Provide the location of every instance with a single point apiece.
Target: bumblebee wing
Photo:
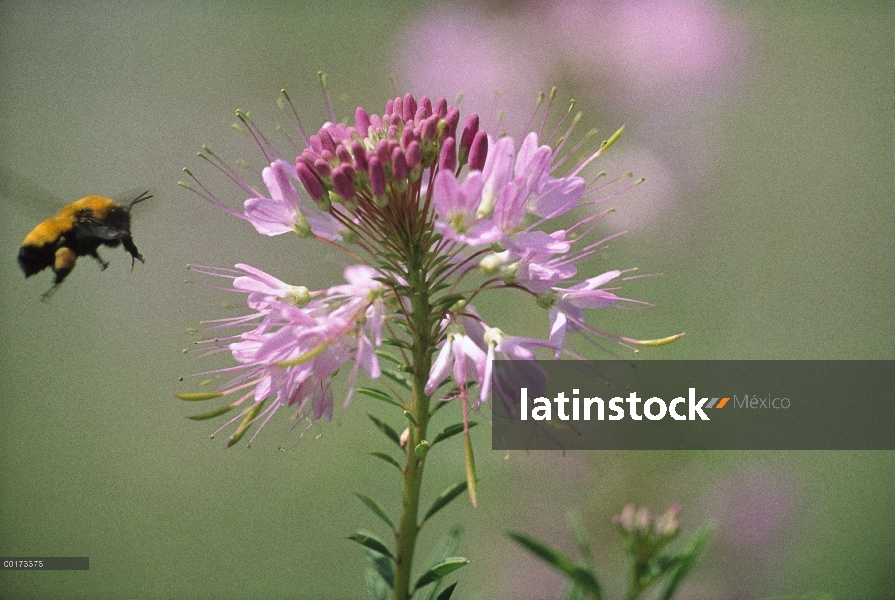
(23, 197)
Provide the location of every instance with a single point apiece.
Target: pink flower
(290, 353)
(462, 357)
(422, 203)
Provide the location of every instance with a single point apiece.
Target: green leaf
(377, 510)
(386, 355)
(378, 395)
(440, 570)
(395, 343)
(437, 259)
(447, 547)
(402, 379)
(376, 587)
(439, 272)
(387, 429)
(446, 302)
(452, 430)
(411, 418)
(686, 560)
(577, 529)
(388, 458)
(588, 582)
(446, 593)
(562, 563)
(445, 498)
(441, 286)
(383, 567)
(439, 404)
(575, 593)
(368, 540)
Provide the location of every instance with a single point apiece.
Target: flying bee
(79, 229)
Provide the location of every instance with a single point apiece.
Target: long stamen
(298, 126)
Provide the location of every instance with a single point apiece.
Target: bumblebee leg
(96, 255)
(45, 297)
(63, 264)
(128, 242)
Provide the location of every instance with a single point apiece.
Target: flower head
(425, 205)
(646, 534)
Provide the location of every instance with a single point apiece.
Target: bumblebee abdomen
(38, 250)
(33, 259)
(48, 232)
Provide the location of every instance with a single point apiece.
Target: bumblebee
(79, 229)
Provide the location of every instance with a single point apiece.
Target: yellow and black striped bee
(79, 229)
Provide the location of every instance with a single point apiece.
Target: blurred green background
(777, 243)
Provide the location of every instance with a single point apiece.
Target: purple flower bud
(360, 156)
(426, 107)
(338, 131)
(308, 157)
(342, 182)
(409, 107)
(322, 168)
(429, 128)
(361, 121)
(392, 132)
(377, 176)
(448, 159)
(310, 182)
(315, 143)
(452, 119)
(440, 107)
(327, 140)
(389, 105)
(349, 170)
(414, 156)
(469, 131)
(343, 155)
(408, 135)
(397, 109)
(328, 157)
(478, 152)
(399, 165)
(375, 123)
(382, 151)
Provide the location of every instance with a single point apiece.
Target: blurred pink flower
(663, 66)
(646, 49)
(455, 49)
(752, 508)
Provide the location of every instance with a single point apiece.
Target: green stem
(408, 527)
(637, 572)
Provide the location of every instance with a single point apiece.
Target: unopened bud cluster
(379, 157)
(646, 533)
